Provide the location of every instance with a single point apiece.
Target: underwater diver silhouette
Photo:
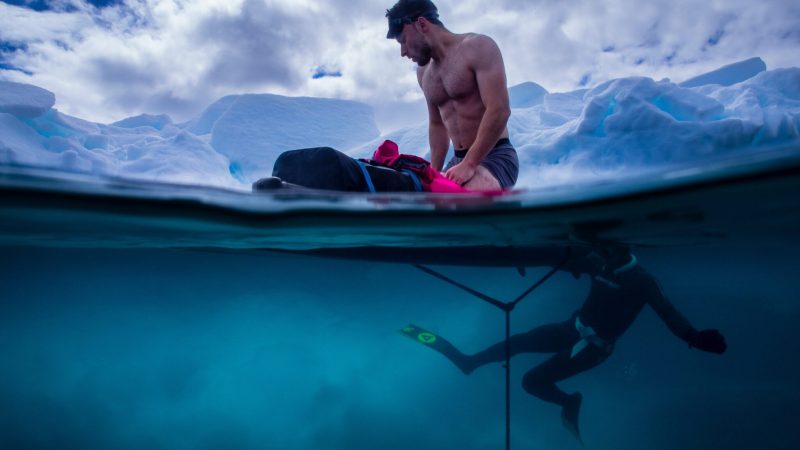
(620, 288)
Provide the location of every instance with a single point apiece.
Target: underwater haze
(163, 349)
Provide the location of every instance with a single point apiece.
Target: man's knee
(483, 180)
(534, 382)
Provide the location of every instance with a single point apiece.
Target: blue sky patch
(36, 5)
(7, 48)
(714, 40)
(11, 47)
(4, 65)
(322, 72)
(59, 6)
(104, 3)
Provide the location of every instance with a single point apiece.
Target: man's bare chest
(449, 81)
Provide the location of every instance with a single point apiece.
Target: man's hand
(461, 173)
(709, 341)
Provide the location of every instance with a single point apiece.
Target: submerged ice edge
(706, 211)
(42, 180)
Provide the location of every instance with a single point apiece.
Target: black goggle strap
(399, 22)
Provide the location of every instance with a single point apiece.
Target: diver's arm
(677, 323)
(707, 340)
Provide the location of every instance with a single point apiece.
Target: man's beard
(425, 52)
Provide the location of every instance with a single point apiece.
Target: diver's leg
(548, 338)
(544, 339)
(439, 344)
(541, 381)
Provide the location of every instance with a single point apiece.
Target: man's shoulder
(476, 44)
(643, 280)
(477, 40)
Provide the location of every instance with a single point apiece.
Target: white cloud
(20, 24)
(556, 43)
(176, 56)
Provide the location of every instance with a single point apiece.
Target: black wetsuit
(612, 305)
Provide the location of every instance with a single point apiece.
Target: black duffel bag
(329, 169)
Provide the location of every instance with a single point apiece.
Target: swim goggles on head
(396, 25)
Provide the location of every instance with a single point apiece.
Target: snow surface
(622, 127)
(24, 100)
(730, 74)
(526, 95)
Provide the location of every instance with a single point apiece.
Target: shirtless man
(464, 82)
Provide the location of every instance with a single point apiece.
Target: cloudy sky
(109, 59)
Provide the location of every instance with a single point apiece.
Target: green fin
(438, 343)
(419, 334)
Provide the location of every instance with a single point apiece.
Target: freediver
(620, 288)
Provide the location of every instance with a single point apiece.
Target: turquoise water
(146, 321)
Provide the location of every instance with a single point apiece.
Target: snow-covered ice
(24, 100)
(729, 75)
(620, 127)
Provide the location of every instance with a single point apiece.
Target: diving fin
(439, 344)
(569, 415)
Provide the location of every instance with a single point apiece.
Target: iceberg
(24, 100)
(729, 75)
(526, 94)
(618, 128)
(145, 120)
(252, 130)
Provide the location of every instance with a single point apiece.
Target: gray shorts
(501, 162)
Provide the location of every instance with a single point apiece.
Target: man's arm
(706, 340)
(438, 139)
(490, 74)
(677, 323)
